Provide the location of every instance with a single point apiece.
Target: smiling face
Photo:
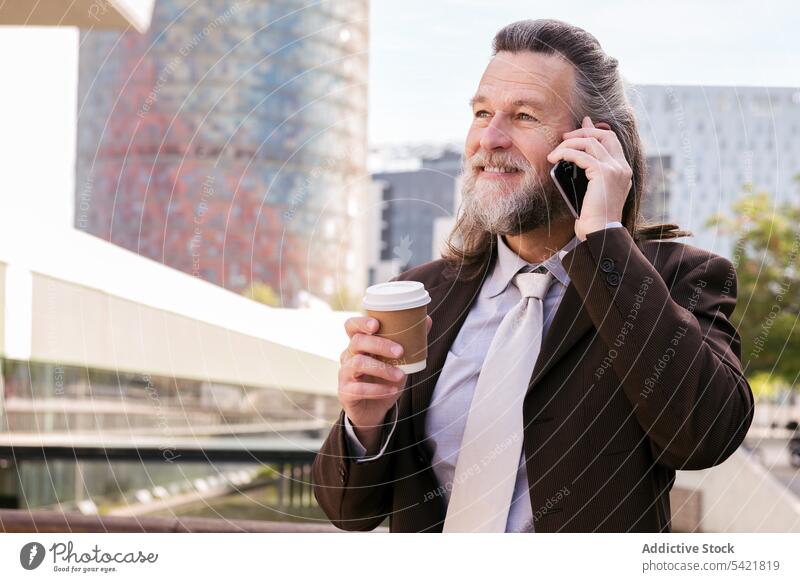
(520, 111)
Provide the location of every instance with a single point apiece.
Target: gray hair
(599, 92)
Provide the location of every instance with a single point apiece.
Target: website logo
(31, 555)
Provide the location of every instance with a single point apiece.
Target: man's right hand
(368, 387)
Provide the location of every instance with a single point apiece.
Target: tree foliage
(262, 293)
(767, 261)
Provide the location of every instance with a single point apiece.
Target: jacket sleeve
(671, 343)
(354, 493)
(358, 451)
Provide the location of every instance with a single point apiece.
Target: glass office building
(229, 141)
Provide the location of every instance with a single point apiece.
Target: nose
(495, 135)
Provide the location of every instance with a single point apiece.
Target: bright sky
(427, 56)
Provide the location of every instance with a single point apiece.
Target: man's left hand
(598, 151)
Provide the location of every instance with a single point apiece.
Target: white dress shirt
(446, 416)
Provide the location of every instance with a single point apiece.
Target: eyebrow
(533, 103)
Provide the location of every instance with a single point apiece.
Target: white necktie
(488, 460)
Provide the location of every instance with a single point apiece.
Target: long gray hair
(599, 92)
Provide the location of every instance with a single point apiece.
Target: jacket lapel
(450, 303)
(570, 323)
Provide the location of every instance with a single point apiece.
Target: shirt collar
(509, 263)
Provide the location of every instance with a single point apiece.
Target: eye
(526, 117)
(482, 114)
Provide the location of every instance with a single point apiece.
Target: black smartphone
(571, 181)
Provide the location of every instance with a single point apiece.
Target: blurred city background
(197, 193)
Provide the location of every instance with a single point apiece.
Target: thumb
(428, 322)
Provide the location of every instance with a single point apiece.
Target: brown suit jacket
(639, 375)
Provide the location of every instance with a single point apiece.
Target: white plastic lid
(396, 295)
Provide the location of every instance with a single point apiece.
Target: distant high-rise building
(229, 141)
(658, 195)
(704, 143)
(410, 202)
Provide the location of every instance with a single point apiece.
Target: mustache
(481, 159)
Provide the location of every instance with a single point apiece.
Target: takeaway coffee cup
(401, 308)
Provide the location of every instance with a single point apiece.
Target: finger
(363, 324)
(606, 137)
(370, 391)
(428, 322)
(363, 364)
(347, 374)
(372, 344)
(582, 159)
(589, 145)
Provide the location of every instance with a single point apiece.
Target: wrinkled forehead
(538, 80)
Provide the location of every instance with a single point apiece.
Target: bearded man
(573, 364)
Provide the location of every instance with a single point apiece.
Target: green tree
(262, 293)
(767, 262)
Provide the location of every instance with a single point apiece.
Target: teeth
(499, 170)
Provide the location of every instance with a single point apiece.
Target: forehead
(545, 80)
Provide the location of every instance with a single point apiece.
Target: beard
(505, 209)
